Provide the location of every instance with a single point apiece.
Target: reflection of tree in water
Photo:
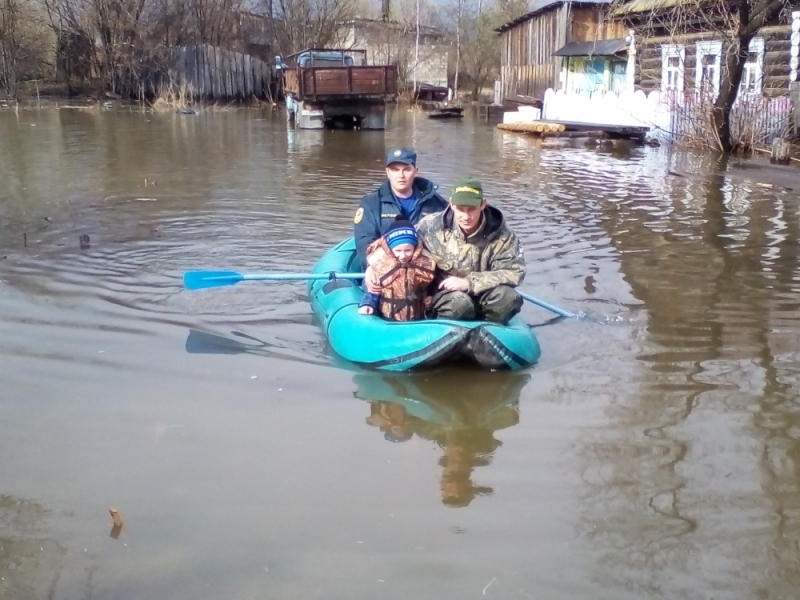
(460, 413)
(31, 565)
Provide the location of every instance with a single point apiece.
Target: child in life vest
(404, 270)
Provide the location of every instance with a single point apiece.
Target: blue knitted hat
(401, 232)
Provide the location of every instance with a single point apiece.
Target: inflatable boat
(394, 346)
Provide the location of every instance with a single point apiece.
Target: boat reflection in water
(460, 411)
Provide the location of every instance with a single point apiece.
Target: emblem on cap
(398, 152)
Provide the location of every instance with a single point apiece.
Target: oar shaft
(198, 280)
(299, 276)
(543, 304)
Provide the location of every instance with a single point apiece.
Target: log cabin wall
(777, 56)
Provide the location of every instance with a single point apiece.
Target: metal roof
(594, 48)
(542, 5)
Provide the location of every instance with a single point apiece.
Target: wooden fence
(209, 72)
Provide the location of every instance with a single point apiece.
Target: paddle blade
(198, 280)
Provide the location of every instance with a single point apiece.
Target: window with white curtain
(709, 58)
(753, 75)
(672, 56)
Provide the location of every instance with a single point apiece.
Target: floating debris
(117, 520)
(115, 517)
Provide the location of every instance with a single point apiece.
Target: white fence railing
(668, 115)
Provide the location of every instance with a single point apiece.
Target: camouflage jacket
(489, 258)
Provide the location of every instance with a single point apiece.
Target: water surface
(653, 452)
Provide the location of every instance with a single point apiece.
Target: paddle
(559, 311)
(198, 280)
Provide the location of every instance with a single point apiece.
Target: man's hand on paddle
(455, 284)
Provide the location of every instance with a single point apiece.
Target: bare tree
(9, 45)
(477, 54)
(303, 24)
(25, 44)
(214, 20)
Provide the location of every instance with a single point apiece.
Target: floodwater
(654, 452)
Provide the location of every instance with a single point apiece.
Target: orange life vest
(402, 284)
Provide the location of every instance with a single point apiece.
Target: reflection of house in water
(706, 445)
(460, 416)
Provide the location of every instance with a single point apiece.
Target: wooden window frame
(672, 51)
(708, 48)
(757, 47)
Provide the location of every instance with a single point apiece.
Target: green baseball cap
(467, 191)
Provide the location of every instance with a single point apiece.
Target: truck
(335, 88)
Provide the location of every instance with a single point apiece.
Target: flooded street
(653, 452)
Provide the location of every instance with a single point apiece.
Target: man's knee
(454, 305)
(501, 303)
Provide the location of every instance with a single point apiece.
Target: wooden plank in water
(546, 130)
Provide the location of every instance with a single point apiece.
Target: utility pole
(458, 51)
(416, 56)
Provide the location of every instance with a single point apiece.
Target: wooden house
(681, 49)
(539, 48)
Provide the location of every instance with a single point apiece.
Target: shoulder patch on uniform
(359, 216)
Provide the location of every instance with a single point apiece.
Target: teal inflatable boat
(392, 346)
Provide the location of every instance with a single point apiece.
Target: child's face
(403, 252)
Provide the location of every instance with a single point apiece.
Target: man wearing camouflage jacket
(480, 258)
